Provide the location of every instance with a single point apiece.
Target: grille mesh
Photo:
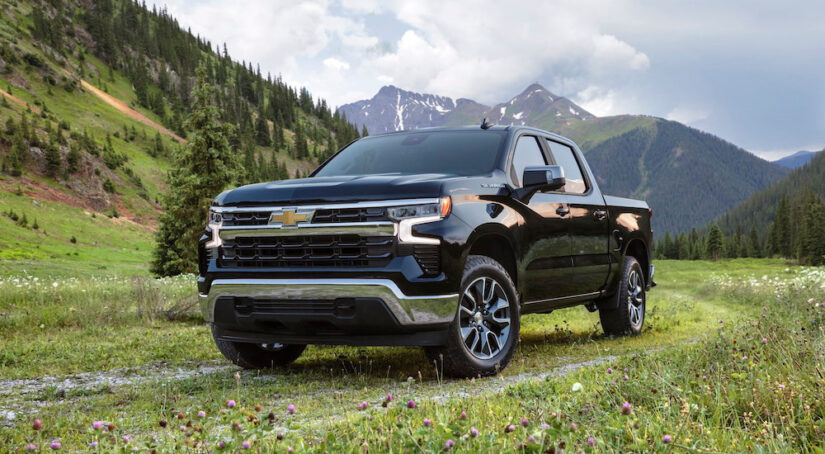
(307, 251)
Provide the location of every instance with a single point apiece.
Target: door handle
(600, 215)
(563, 211)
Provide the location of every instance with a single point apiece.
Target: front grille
(337, 215)
(246, 218)
(302, 251)
(341, 307)
(428, 258)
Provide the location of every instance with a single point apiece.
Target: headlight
(410, 215)
(440, 209)
(214, 220)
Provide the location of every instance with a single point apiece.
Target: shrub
(73, 240)
(108, 186)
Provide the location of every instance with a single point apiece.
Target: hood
(336, 189)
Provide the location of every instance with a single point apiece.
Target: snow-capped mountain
(394, 109)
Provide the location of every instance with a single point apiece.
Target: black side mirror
(543, 178)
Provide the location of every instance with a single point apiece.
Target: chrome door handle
(600, 215)
(562, 211)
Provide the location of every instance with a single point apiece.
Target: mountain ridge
(796, 160)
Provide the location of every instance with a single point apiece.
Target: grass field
(75, 350)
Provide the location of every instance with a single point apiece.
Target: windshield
(450, 152)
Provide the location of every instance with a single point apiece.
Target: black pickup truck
(439, 238)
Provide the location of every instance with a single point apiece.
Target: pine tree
(262, 135)
(754, 246)
(72, 158)
(782, 226)
(715, 243)
(812, 241)
(364, 132)
(202, 169)
(52, 160)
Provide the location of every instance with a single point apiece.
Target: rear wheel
(258, 356)
(482, 338)
(625, 315)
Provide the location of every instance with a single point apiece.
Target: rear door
(546, 249)
(588, 224)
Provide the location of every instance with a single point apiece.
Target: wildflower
(98, 425)
(574, 427)
(764, 340)
(55, 445)
(524, 422)
(389, 397)
(427, 422)
(230, 403)
(591, 441)
(781, 386)
(627, 408)
(221, 444)
(410, 379)
(576, 387)
(362, 406)
(545, 426)
(509, 428)
(609, 370)
(182, 416)
(449, 444)
(473, 432)
(246, 445)
(626, 378)
(31, 447)
(744, 358)
(704, 377)
(667, 439)
(126, 438)
(93, 444)
(182, 428)
(201, 414)
(37, 425)
(531, 439)
(290, 409)
(411, 404)
(463, 415)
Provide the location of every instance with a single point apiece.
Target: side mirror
(543, 178)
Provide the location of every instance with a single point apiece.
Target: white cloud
(688, 115)
(336, 64)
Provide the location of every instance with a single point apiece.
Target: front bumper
(321, 309)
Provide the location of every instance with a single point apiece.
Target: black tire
(624, 313)
(255, 356)
(456, 359)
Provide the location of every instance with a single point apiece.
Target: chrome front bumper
(408, 310)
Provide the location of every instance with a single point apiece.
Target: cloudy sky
(752, 72)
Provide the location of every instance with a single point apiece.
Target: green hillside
(93, 102)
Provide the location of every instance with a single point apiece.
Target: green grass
(104, 246)
(48, 330)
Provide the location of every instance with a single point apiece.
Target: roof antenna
(486, 124)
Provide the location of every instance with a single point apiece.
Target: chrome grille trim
(355, 228)
(327, 206)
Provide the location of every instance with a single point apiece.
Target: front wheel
(626, 314)
(258, 356)
(482, 338)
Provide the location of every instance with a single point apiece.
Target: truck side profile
(440, 238)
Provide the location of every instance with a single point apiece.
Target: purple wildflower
(126, 438)
(627, 408)
(764, 340)
(230, 403)
(509, 428)
(427, 422)
(609, 370)
(363, 406)
(667, 439)
(411, 404)
(449, 444)
(246, 445)
(201, 414)
(55, 445)
(290, 409)
(473, 432)
(545, 426)
(389, 397)
(31, 447)
(524, 422)
(463, 415)
(93, 444)
(591, 441)
(98, 425)
(37, 424)
(221, 444)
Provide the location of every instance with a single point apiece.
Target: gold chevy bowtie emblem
(288, 218)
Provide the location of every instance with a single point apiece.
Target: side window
(528, 153)
(565, 157)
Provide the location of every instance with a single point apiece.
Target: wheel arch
(637, 249)
(497, 245)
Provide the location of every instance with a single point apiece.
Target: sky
(751, 72)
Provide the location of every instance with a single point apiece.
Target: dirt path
(124, 108)
(19, 101)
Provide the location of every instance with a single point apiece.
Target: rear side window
(565, 157)
(528, 153)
